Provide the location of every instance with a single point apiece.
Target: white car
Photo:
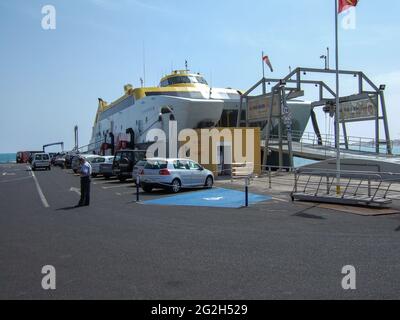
(96, 161)
(41, 160)
(174, 174)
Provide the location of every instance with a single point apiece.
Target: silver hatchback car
(174, 174)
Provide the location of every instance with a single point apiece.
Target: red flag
(268, 62)
(346, 4)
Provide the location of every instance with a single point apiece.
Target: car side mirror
(201, 169)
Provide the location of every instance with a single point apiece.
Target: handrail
(351, 188)
(353, 143)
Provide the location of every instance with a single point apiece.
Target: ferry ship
(181, 96)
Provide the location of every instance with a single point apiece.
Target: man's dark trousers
(85, 191)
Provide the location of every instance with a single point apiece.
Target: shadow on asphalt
(308, 216)
(68, 208)
(303, 214)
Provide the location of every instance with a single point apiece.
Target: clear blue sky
(50, 80)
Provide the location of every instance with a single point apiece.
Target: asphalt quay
(119, 249)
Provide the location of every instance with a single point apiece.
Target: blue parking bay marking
(216, 197)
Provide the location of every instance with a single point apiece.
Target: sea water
(7, 157)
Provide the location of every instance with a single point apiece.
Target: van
(41, 160)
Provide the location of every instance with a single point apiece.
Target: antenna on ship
(141, 82)
(186, 65)
(144, 66)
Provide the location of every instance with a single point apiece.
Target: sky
(51, 79)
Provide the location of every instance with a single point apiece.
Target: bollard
(137, 188)
(247, 193)
(270, 177)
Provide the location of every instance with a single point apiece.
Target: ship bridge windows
(182, 80)
(180, 94)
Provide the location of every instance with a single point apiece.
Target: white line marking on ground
(72, 189)
(123, 193)
(16, 179)
(39, 190)
(119, 186)
(281, 200)
(8, 174)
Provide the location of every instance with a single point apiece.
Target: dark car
(106, 169)
(124, 161)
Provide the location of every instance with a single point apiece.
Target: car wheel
(176, 186)
(122, 179)
(49, 168)
(107, 177)
(94, 175)
(33, 168)
(147, 188)
(75, 171)
(209, 182)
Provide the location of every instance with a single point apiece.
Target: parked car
(124, 161)
(41, 160)
(68, 160)
(31, 155)
(174, 174)
(97, 161)
(59, 161)
(75, 165)
(138, 169)
(106, 170)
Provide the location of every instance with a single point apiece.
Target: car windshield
(156, 164)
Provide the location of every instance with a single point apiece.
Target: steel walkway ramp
(346, 200)
(356, 188)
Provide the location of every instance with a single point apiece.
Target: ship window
(201, 80)
(182, 79)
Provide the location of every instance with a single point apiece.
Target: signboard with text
(258, 107)
(362, 109)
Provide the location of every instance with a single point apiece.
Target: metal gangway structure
(362, 188)
(309, 145)
(317, 146)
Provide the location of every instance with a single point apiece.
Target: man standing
(86, 171)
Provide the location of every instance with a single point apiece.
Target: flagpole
(337, 117)
(263, 73)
